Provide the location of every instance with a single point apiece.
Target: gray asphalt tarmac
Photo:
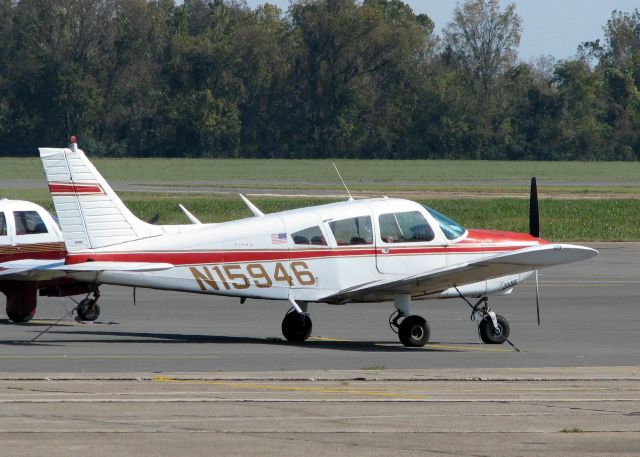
(590, 317)
(192, 375)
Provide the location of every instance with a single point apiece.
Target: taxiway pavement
(590, 317)
(182, 374)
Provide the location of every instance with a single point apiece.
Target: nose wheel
(491, 333)
(493, 328)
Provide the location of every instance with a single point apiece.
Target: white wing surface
(434, 281)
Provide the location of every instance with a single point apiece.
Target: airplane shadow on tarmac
(102, 336)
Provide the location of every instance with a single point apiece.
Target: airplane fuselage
(310, 253)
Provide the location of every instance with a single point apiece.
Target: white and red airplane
(370, 250)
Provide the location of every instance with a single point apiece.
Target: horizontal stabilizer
(114, 267)
(434, 281)
(28, 268)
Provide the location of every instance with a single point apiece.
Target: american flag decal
(278, 238)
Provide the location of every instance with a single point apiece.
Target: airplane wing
(435, 281)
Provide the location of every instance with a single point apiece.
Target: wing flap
(431, 282)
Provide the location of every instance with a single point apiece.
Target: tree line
(325, 78)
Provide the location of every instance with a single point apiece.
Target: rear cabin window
(3, 225)
(28, 223)
(356, 230)
(311, 235)
(407, 227)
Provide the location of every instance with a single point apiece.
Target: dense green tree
(348, 78)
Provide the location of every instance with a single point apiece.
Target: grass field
(561, 220)
(371, 173)
(567, 210)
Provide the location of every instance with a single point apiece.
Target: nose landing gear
(492, 328)
(494, 332)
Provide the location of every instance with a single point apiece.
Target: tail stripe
(65, 188)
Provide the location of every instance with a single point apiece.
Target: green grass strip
(561, 220)
(368, 172)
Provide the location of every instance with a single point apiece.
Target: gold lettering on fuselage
(241, 276)
(205, 277)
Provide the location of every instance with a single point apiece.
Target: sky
(549, 27)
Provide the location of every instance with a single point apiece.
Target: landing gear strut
(413, 331)
(88, 309)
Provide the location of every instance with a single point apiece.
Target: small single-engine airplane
(370, 250)
(31, 248)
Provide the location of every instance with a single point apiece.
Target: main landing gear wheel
(296, 327)
(414, 331)
(494, 335)
(88, 310)
(22, 300)
(20, 317)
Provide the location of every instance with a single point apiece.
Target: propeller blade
(537, 299)
(534, 213)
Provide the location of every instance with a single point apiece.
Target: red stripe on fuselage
(45, 251)
(74, 188)
(477, 242)
(212, 257)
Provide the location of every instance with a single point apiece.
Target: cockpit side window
(3, 225)
(29, 223)
(405, 227)
(352, 231)
(312, 235)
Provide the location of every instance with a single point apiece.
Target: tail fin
(90, 213)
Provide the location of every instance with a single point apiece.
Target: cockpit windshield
(450, 228)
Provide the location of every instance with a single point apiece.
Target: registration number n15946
(242, 276)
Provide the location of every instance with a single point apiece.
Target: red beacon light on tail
(73, 140)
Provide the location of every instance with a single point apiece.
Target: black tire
(296, 327)
(489, 335)
(414, 331)
(20, 318)
(88, 310)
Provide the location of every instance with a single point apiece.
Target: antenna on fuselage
(253, 208)
(345, 186)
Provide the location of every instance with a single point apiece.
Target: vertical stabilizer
(90, 213)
